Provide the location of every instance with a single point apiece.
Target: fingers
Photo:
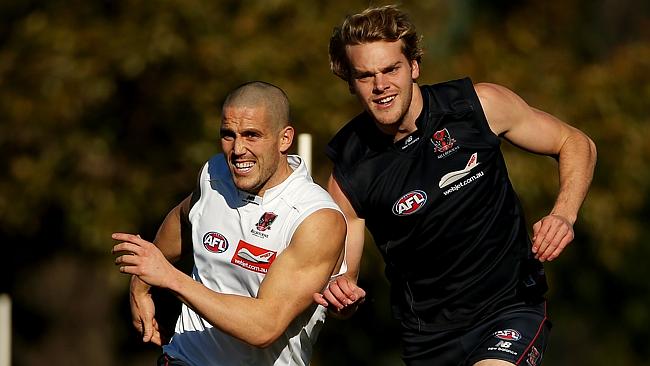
(565, 241)
(360, 293)
(341, 292)
(136, 239)
(320, 300)
(340, 288)
(128, 263)
(126, 247)
(156, 338)
(332, 299)
(131, 248)
(550, 236)
(148, 329)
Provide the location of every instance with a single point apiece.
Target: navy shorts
(166, 360)
(517, 335)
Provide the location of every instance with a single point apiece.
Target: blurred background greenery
(109, 108)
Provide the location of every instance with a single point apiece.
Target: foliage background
(109, 108)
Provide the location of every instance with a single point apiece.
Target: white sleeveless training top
(236, 237)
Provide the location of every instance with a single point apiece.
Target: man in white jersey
(265, 237)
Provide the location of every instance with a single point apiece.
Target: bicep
(512, 118)
(305, 266)
(169, 238)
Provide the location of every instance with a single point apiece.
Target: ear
(415, 70)
(286, 138)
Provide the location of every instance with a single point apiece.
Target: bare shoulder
(324, 219)
(502, 106)
(497, 96)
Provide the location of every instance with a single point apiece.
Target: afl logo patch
(508, 335)
(215, 242)
(410, 203)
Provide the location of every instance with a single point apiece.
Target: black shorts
(517, 335)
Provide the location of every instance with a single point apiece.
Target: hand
(341, 296)
(551, 235)
(143, 311)
(143, 259)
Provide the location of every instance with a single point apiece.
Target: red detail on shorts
(539, 330)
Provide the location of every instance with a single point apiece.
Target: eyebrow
(229, 131)
(358, 73)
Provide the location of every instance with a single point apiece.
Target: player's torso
(237, 236)
(428, 195)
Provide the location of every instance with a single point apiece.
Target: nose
(380, 83)
(239, 147)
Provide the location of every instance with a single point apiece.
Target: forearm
(137, 286)
(254, 321)
(576, 161)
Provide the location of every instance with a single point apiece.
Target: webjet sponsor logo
(253, 258)
(215, 242)
(457, 175)
(410, 203)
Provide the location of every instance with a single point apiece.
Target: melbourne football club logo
(410, 203)
(442, 141)
(215, 242)
(533, 357)
(265, 221)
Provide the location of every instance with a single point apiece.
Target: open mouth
(243, 167)
(386, 100)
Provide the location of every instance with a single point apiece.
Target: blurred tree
(109, 108)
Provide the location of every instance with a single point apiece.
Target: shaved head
(259, 94)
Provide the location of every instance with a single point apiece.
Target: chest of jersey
(237, 240)
(451, 167)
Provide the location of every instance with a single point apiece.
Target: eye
(364, 77)
(392, 70)
(251, 135)
(227, 135)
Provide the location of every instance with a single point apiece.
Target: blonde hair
(385, 23)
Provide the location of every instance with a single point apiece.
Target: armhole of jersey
(468, 85)
(196, 194)
(310, 210)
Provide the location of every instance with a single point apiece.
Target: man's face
(383, 80)
(252, 146)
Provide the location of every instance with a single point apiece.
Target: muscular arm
(356, 230)
(343, 291)
(169, 239)
(539, 132)
(301, 269)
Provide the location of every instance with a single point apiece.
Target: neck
(406, 125)
(283, 172)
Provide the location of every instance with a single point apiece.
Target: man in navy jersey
(421, 168)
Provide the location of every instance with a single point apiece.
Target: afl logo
(215, 242)
(508, 335)
(410, 203)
